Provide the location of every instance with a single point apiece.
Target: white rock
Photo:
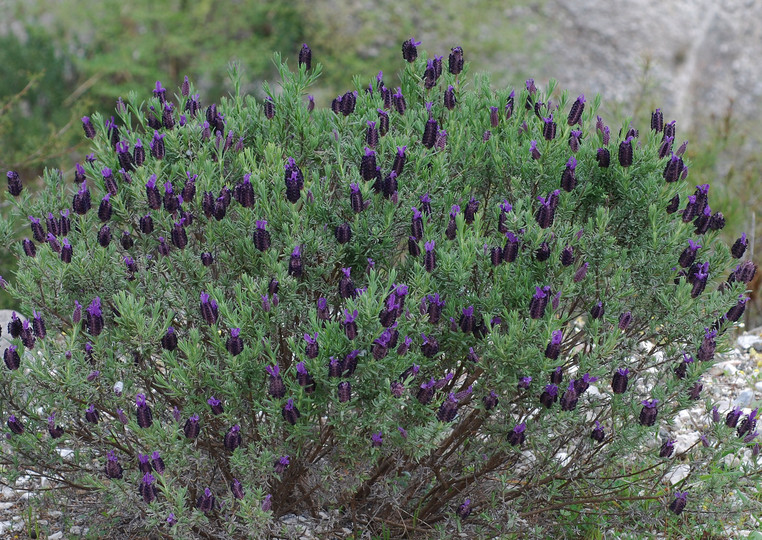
(55, 513)
(758, 386)
(76, 530)
(66, 453)
(562, 458)
(725, 368)
(56, 536)
(731, 460)
(685, 441)
(6, 505)
(744, 399)
(677, 473)
(683, 418)
(5, 525)
(747, 341)
(23, 481)
(7, 492)
(723, 406)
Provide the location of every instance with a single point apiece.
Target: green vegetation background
(63, 59)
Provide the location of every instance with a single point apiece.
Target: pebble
(65, 453)
(56, 536)
(677, 473)
(747, 341)
(758, 386)
(727, 368)
(5, 525)
(686, 441)
(744, 399)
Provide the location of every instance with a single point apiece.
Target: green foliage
(419, 435)
(34, 94)
(128, 46)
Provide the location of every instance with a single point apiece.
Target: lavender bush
(428, 306)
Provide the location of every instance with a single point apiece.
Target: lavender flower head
(534, 152)
(282, 464)
(376, 439)
(517, 436)
(678, 504)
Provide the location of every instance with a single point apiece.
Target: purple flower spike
(539, 302)
(234, 343)
(620, 381)
(312, 347)
(206, 501)
(597, 311)
(678, 504)
(430, 260)
(157, 462)
(517, 436)
(731, 420)
(625, 152)
(582, 384)
(649, 412)
(191, 429)
(575, 113)
(568, 176)
(598, 434)
(209, 310)
(144, 414)
(376, 440)
(410, 50)
(232, 438)
(261, 236)
(533, 151)
(570, 397)
(455, 61)
(748, 425)
(215, 404)
(290, 412)
(553, 348)
(277, 388)
(549, 128)
(708, 346)
(739, 246)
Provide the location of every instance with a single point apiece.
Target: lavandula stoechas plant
(379, 290)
